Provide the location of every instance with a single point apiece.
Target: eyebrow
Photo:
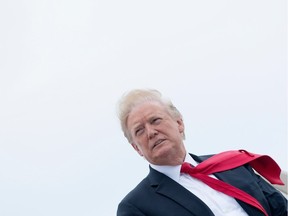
(136, 126)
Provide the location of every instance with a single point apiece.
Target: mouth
(158, 142)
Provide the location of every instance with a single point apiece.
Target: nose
(152, 132)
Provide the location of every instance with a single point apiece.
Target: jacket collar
(167, 187)
(236, 181)
(170, 188)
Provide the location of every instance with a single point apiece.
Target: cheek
(143, 146)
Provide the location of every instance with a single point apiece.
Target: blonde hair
(138, 96)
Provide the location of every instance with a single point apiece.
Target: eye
(156, 120)
(139, 131)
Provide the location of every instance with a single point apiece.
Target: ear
(180, 125)
(137, 149)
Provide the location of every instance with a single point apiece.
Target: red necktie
(263, 164)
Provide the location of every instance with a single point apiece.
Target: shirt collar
(173, 172)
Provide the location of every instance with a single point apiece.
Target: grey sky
(64, 65)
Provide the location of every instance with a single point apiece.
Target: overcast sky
(64, 65)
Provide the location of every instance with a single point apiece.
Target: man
(155, 129)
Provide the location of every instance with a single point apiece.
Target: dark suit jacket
(158, 195)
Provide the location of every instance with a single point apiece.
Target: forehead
(145, 110)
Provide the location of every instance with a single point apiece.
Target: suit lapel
(238, 180)
(169, 188)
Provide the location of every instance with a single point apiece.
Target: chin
(162, 158)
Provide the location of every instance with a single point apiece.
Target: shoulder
(200, 158)
(135, 192)
(130, 202)
(142, 198)
(146, 187)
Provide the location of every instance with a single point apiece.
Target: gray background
(64, 65)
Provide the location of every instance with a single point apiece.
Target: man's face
(156, 135)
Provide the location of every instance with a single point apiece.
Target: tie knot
(187, 168)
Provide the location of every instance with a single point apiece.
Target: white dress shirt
(219, 203)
